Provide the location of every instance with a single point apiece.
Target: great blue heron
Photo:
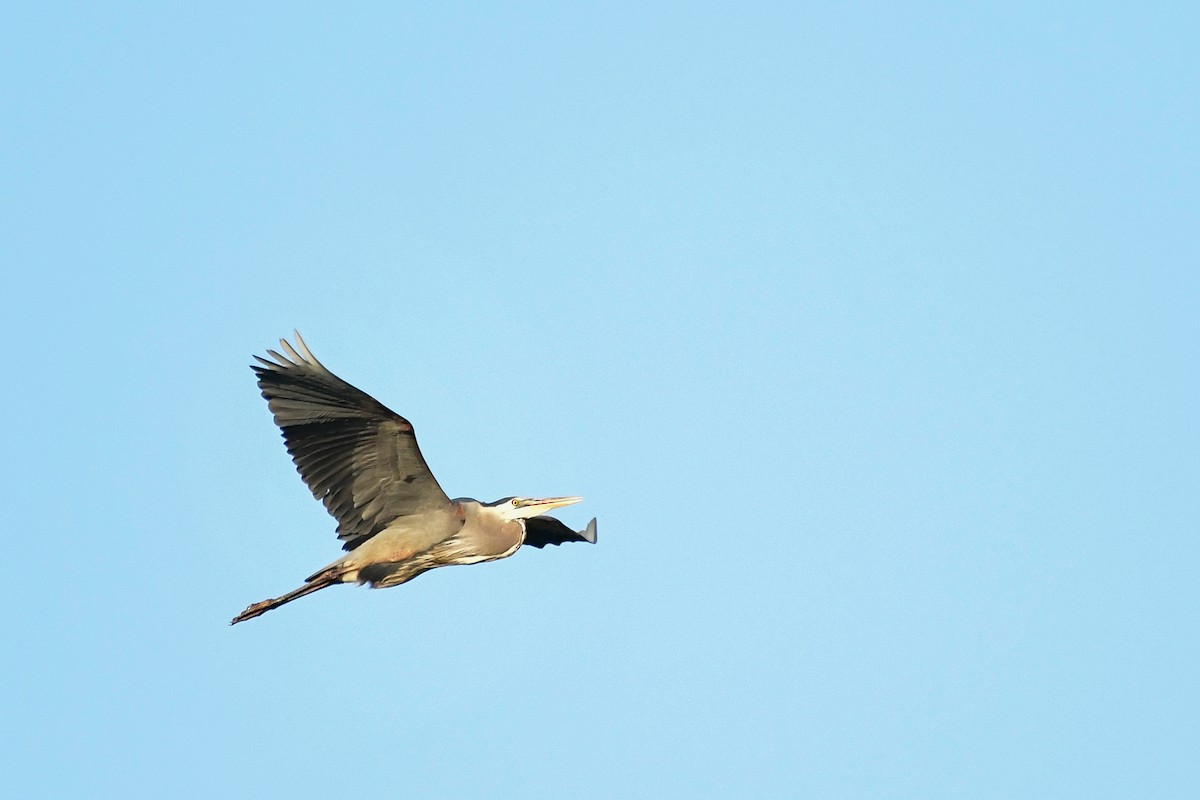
(362, 461)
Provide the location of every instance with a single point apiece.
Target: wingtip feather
(308, 356)
(291, 351)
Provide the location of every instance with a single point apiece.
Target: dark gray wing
(541, 531)
(358, 457)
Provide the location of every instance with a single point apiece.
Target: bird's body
(362, 461)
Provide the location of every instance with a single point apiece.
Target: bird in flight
(361, 460)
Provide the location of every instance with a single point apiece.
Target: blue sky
(868, 333)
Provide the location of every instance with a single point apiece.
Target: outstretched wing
(358, 457)
(541, 531)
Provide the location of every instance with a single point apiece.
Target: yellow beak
(549, 503)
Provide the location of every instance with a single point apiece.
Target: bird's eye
(516, 502)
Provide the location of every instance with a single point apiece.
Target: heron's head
(524, 507)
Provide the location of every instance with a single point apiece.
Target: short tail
(317, 582)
